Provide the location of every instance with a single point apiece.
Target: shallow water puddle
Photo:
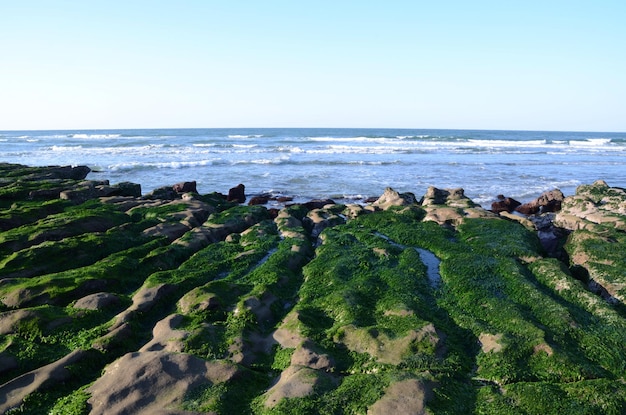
(428, 258)
(432, 266)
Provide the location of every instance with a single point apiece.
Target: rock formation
(182, 303)
(549, 201)
(185, 187)
(237, 194)
(504, 204)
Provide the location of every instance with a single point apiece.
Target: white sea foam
(345, 149)
(404, 137)
(507, 143)
(381, 140)
(590, 142)
(348, 162)
(261, 161)
(289, 149)
(182, 164)
(53, 136)
(557, 153)
(66, 148)
(164, 165)
(94, 136)
(269, 161)
(128, 151)
(368, 163)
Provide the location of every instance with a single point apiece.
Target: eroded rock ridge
(180, 303)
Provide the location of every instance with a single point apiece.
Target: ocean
(343, 164)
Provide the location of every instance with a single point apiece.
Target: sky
(531, 65)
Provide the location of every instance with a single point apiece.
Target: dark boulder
(185, 187)
(66, 172)
(45, 194)
(80, 194)
(259, 200)
(79, 172)
(318, 203)
(163, 193)
(504, 204)
(128, 189)
(549, 201)
(237, 194)
(530, 208)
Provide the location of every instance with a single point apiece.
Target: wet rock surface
(174, 302)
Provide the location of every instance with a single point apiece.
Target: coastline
(221, 305)
(342, 164)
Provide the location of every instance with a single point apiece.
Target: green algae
(50, 334)
(584, 397)
(161, 212)
(237, 215)
(353, 396)
(499, 297)
(224, 265)
(89, 217)
(25, 212)
(499, 238)
(122, 271)
(21, 189)
(373, 291)
(247, 276)
(506, 331)
(52, 256)
(604, 253)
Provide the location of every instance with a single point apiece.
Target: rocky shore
(114, 302)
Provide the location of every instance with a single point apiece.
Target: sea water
(343, 164)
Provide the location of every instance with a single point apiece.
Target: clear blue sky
(530, 65)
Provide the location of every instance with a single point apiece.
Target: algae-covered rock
(450, 197)
(549, 201)
(11, 320)
(404, 397)
(596, 204)
(386, 349)
(450, 207)
(14, 391)
(97, 301)
(113, 302)
(295, 382)
(393, 198)
(165, 336)
(153, 382)
(319, 219)
(596, 217)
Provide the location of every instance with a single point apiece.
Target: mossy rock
(349, 325)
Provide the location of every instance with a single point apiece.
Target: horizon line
(315, 128)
